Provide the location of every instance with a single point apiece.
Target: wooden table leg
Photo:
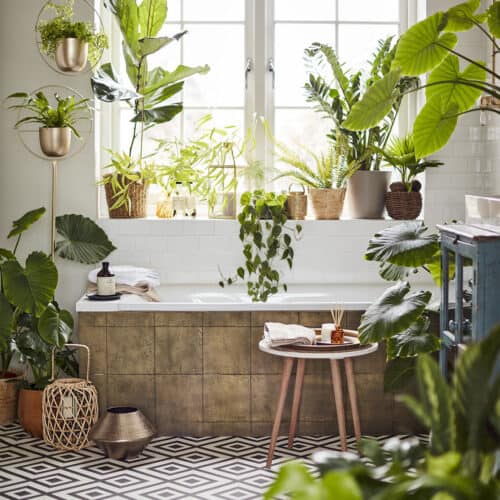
(339, 402)
(297, 394)
(351, 387)
(285, 379)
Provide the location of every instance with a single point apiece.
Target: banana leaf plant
(461, 461)
(452, 89)
(336, 99)
(148, 91)
(31, 321)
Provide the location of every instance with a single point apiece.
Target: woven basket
(296, 204)
(8, 398)
(327, 203)
(69, 409)
(402, 205)
(137, 192)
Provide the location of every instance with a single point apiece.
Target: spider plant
(65, 113)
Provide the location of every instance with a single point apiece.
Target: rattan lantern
(69, 409)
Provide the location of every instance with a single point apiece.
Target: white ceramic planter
(366, 194)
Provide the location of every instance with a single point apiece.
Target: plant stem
(17, 244)
(136, 104)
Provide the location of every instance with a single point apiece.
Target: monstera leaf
(20, 225)
(83, 240)
(6, 315)
(30, 288)
(108, 87)
(394, 311)
(423, 46)
(403, 245)
(55, 327)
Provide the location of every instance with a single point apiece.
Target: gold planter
(71, 55)
(55, 142)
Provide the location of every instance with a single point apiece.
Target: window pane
(221, 118)
(299, 10)
(369, 10)
(174, 11)
(291, 74)
(214, 10)
(357, 42)
(220, 46)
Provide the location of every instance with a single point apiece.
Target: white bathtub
(235, 298)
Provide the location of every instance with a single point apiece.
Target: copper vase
(71, 55)
(123, 432)
(30, 411)
(55, 141)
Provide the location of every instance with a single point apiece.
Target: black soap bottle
(106, 282)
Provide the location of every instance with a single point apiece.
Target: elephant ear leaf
(55, 327)
(461, 17)
(394, 311)
(413, 341)
(6, 316)
(494, 19)
(30, 288)
(83, 240)
(23, 223)
(108, 87)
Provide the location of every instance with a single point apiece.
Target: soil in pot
(138, 193)
(8, 397)
(30, 411)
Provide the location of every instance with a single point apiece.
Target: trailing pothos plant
(31, 321)
(266, 238)
(461, 462)
(429, 47)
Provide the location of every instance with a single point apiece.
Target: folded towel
(144, 290)
(130, 275)
(277, 334)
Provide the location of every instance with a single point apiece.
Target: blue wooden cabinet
(482, 249)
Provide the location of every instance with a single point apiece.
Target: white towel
(277, 334)
(131, 276)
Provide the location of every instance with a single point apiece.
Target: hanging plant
(266, 240)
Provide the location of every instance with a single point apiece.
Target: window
(255, 50)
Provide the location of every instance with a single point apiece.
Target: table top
(285, 353)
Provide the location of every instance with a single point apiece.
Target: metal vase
(123, 432)
(366, 194)
(55, 142)
(71, 55)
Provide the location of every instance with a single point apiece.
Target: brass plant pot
(71, 55)
(55, 141)
(122, 433)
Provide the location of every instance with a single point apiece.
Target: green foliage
(65, 112)
(62, 26)
(265, 238)
(338, 102)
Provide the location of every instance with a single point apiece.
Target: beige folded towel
(143, 289)
(277, 334)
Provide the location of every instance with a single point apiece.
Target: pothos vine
(266, 239)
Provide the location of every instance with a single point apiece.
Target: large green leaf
(6, 255)
(6, 316)
(152, 15)
(127, 15)
(150, 45)
(162, 94)
(394, 311)
(405, 245)
(83, 240)
(108, 87)
(160, 77)
(413, 341)
(434, 267)
(461, 17)
(494, 19)
(30, 288)
(160, 114)
(422, 47)
(375, 103)
(391, 272)
(455, 90)
(20, 225)
(434, 125)
(55, 327)
(399, 374)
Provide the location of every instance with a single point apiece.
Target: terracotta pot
(366, 194)
(30, 411)
(8, 397)
(71, 55)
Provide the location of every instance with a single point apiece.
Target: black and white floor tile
(207, 468)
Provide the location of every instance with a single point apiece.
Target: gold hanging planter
(71, 55)
(55, 142)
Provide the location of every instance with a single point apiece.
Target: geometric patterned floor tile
(171, 468)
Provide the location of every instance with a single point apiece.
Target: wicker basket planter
(296, 204)
(402, 205)
(138, 194)
(327, 203)
(8, 397)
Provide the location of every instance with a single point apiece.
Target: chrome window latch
(248, 69)
(270, 68)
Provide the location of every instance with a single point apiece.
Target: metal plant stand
(482, 247)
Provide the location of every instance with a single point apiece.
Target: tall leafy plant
(336, 95)
(452, 89)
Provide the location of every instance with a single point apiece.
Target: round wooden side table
(301, 356)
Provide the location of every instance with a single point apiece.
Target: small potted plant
(404, 200)
(70, 43)
(57, 122)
